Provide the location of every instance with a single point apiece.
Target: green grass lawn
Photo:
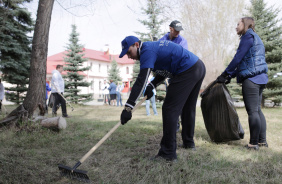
(31, 154)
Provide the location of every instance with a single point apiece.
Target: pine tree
(269, 29)
(74, 67)
(114, 72)
(15, 47)
(153, 23)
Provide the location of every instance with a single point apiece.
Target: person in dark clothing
(186, 72)
(250, 68)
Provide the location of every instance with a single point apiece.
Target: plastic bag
(220, 115)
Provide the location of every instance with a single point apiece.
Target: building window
(107, 68)
(127, 70)
(99, 67)
(100, 85)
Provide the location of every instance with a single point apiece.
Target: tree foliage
(74, 67)
(269, 28)
(153, 23)
(15, 47)
(114, 72)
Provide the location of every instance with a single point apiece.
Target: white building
(100, 63)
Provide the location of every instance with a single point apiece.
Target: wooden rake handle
(108, 134)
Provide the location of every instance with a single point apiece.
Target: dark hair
(248, 23)
(59, 66)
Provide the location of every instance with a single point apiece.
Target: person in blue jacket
(113, 94)
(186, 72)
(174, 35)
(250, 68)
(46, 96)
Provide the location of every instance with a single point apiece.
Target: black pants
(181, 98)
(59, 100)
(252, 95)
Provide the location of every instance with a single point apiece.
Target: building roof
(54, 60)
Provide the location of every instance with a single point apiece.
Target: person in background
(174, 35)
(46, 96)
(58, 86)
(106, 92)
(2, 94)
(112, 90)
(250, 68)
(118, 92)
(187, 73)
(152, 100)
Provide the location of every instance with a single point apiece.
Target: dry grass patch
(33, 156)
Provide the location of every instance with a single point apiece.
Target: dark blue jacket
(253, 62)
(47, 89)
(249, 59)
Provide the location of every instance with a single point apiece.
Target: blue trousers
(119, 99)
(153, 101)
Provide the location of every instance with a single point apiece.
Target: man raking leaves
(186, 72)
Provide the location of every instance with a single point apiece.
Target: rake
(74, 173)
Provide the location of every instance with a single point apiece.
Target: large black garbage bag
(220, 116)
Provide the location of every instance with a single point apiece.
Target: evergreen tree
(269, 30)
(114, 72)
(15, 47)
(153, 23)
(74, 67)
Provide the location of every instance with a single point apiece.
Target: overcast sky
(100, 23)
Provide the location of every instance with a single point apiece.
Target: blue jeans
(119, 99)
(153, 100)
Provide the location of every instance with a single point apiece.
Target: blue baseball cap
(126, 43)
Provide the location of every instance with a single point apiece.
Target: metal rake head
(75, 174)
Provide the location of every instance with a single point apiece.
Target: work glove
(149, 91)
(223, 78)
(126, 115)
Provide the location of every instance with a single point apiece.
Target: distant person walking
(119, 89)
(113, 94)
(106, 92)
(58, 86)
(250, 68)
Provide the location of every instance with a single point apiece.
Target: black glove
(223, 78)
(126, 115)
(149, 91)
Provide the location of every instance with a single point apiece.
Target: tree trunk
(37, 80)
(55, 123)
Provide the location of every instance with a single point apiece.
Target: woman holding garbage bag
(250, 68)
